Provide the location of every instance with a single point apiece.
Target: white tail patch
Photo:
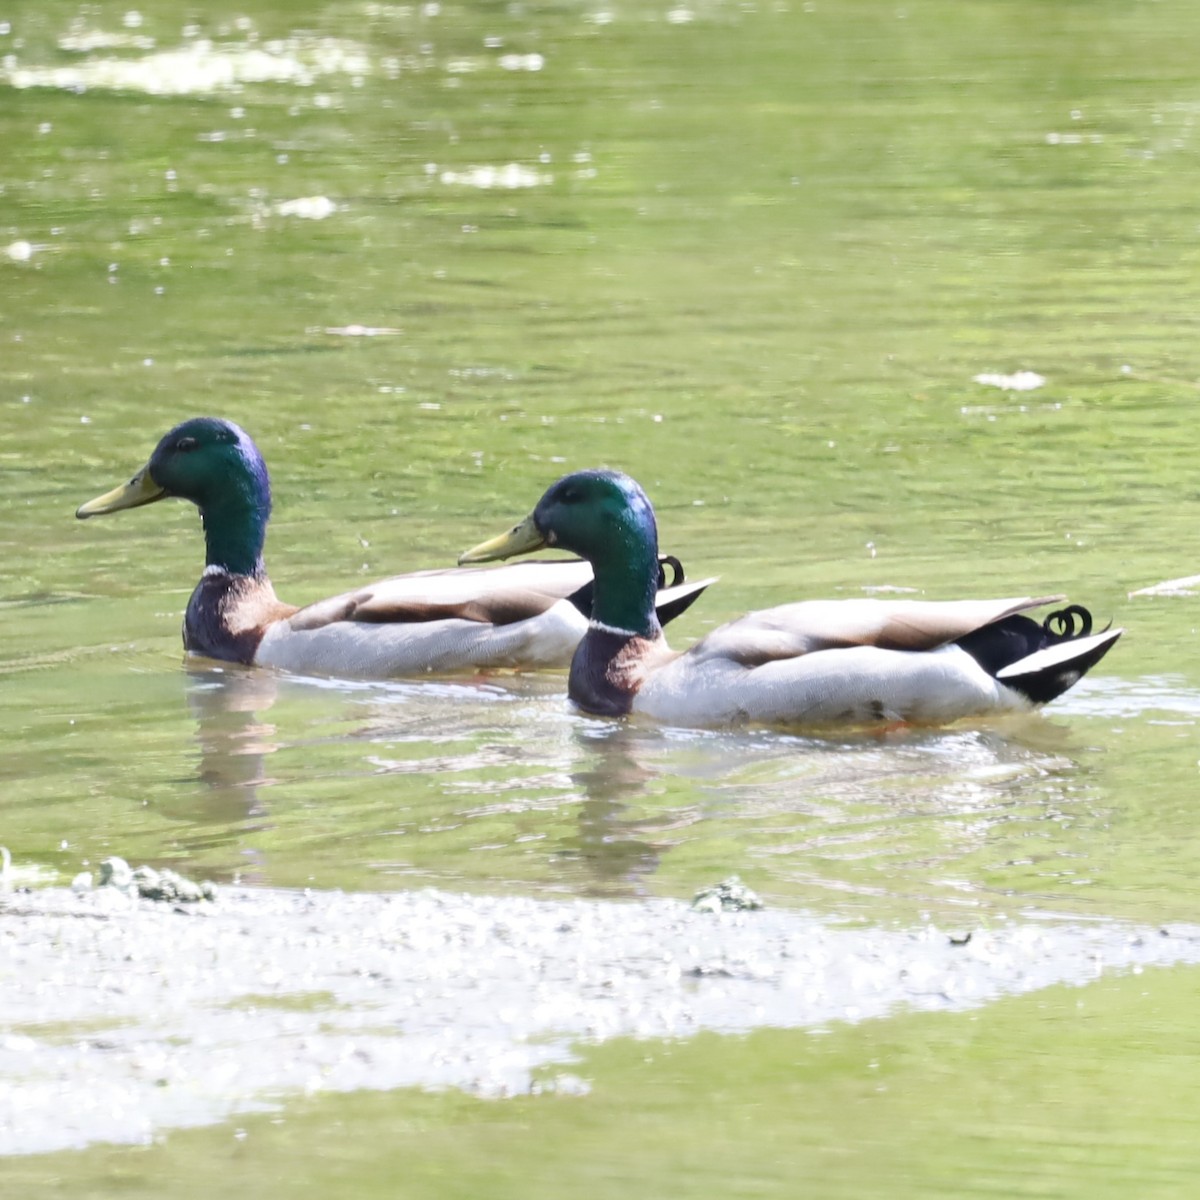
(1061, 655)
(668, 595)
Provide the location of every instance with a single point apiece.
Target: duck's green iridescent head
(605, 517)
(214, 464)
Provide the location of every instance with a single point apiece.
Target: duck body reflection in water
(496, 786)
(235, 740)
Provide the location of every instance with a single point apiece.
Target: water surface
(432, 256)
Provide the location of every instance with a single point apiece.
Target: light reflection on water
(198, 67)
(496, 779)
(1112, 696)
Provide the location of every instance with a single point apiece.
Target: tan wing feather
(795, 629)
(497, 596)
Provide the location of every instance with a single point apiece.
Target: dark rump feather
(1015, 637)
(582, 598)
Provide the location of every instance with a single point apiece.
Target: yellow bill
(520, 539)
(141, 489)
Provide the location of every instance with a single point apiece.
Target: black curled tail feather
(1006, 642)
(678, 577)
(1060, 625)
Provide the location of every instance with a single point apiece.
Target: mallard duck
(442, 620)
(817, 662)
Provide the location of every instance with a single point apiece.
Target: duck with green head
(444, 620)
(815, 662)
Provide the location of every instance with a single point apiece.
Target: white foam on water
(85, 41)
(362, 331)
(200, 68)
(1019, 381)
(511, 175)
(521, 62)
(1187, 585)
(307, 208)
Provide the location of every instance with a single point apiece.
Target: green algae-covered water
(758, 255)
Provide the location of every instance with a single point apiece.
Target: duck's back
(791, 630)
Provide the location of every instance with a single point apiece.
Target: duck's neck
(626, 583)
(235, 528)
(609, 668)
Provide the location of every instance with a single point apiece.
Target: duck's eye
(185, 444)
(570, 496)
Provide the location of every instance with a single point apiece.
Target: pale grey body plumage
(439, 621)
(827, 662)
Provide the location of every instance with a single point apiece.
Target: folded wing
(793, 630)
(495, 596)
